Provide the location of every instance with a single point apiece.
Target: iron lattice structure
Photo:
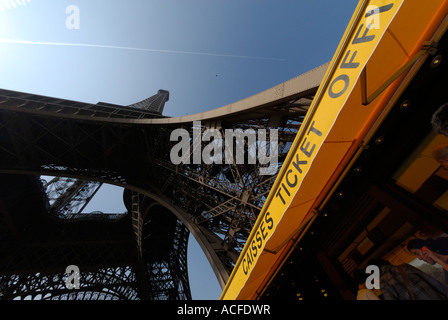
(144, 252)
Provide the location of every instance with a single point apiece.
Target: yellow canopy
(382, 47)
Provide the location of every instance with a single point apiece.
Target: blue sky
(207, 53)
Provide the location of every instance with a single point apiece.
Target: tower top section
(155, 104)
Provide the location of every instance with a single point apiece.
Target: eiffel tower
(140, 254)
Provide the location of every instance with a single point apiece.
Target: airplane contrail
(67, 44)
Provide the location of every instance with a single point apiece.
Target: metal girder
(154, 104)
(117, 283)
(217, 203)
(25, 102)
(68, 197)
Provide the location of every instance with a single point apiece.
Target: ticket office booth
(413, 205)
(394, 191)
(372, 215)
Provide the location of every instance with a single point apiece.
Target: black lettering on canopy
(342, 77)
(304, 148)
(350, 64)
(297, 163)
(379, 10)
(291, 184)
(279, 194)
(365, 37)
(314, 130)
